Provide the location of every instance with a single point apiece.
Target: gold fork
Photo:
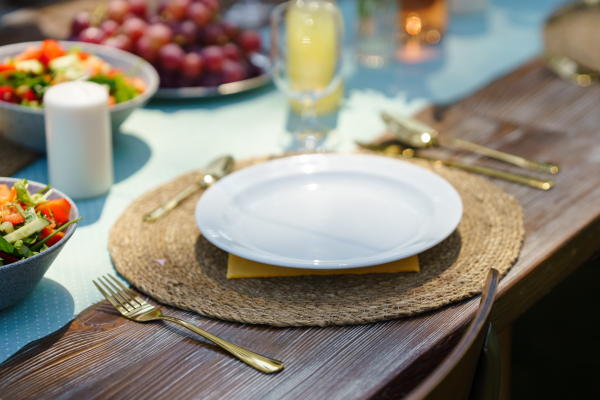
(131, 306)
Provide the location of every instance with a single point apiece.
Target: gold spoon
(418, 134)
(394, 149)
(213, 172)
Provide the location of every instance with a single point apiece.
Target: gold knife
(394, 149)
(420, 135)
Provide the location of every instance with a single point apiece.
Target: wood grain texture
(529, 112)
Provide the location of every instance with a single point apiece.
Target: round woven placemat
(172, 262)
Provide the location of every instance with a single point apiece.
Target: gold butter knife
(420, 135)
(543, 184)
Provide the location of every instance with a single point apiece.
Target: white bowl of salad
(36, 221)
(28, 69)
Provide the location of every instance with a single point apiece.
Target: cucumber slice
(34, 226)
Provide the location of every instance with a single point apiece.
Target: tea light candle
(78, 137)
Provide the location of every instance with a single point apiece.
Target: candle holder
(423, 21)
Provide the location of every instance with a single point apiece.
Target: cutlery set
(410, 133)
(414, 135)
(538, 183)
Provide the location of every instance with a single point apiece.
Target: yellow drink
(312, 51)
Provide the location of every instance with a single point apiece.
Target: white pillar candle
(78, 137)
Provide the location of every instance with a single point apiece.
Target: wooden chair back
(469, 372)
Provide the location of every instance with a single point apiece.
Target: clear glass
(307, 39)
(376, 41)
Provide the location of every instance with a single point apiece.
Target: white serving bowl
(25, 125)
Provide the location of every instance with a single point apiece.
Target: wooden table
(531, 112)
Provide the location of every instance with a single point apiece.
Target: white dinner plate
(328, 211)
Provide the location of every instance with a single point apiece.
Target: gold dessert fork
(132, 307)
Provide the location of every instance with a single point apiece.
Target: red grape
(121, 41)
(145, 49)
(250, 41)
(116, 9)
(213, 58)
(81, 22)
(129, 15)
(138, 7)
(233, 71)
(168, 79)
(134, 27)
(186, 81)
(232, 52)
(109, 27)
(159, 34)
(210, 79)
(191, 65)
(213, 5)
(155, 19)
(251, 69)
(230, 29)
(92, 35)
(177, 9)
(196, 48)
(186, 33)
(214, 33)
(170, 56)
(199, 13)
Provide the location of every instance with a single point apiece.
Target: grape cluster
(186, 40)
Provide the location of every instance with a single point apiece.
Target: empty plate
(327, 211)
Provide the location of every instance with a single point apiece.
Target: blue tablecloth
(165, 139)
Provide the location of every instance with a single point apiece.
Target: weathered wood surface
(529, 112)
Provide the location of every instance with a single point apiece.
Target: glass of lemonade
(307, 38)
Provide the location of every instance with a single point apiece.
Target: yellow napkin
(238, 267)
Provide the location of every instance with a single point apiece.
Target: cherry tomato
(47, 231)
(6, 67)
(11, 214)
(7, 93)
(29, 95)
(4, 194)
(25, 93)
(30, 53)
(59, 208)
(51, 49)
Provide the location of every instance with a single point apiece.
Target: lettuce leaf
(5, 246)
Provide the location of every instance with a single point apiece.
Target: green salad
(29, 222)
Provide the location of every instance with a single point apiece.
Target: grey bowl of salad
(28, 69)
(36, 221)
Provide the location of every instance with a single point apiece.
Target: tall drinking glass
(307, 38)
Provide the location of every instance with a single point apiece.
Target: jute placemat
(171, 261)
(13, 157)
